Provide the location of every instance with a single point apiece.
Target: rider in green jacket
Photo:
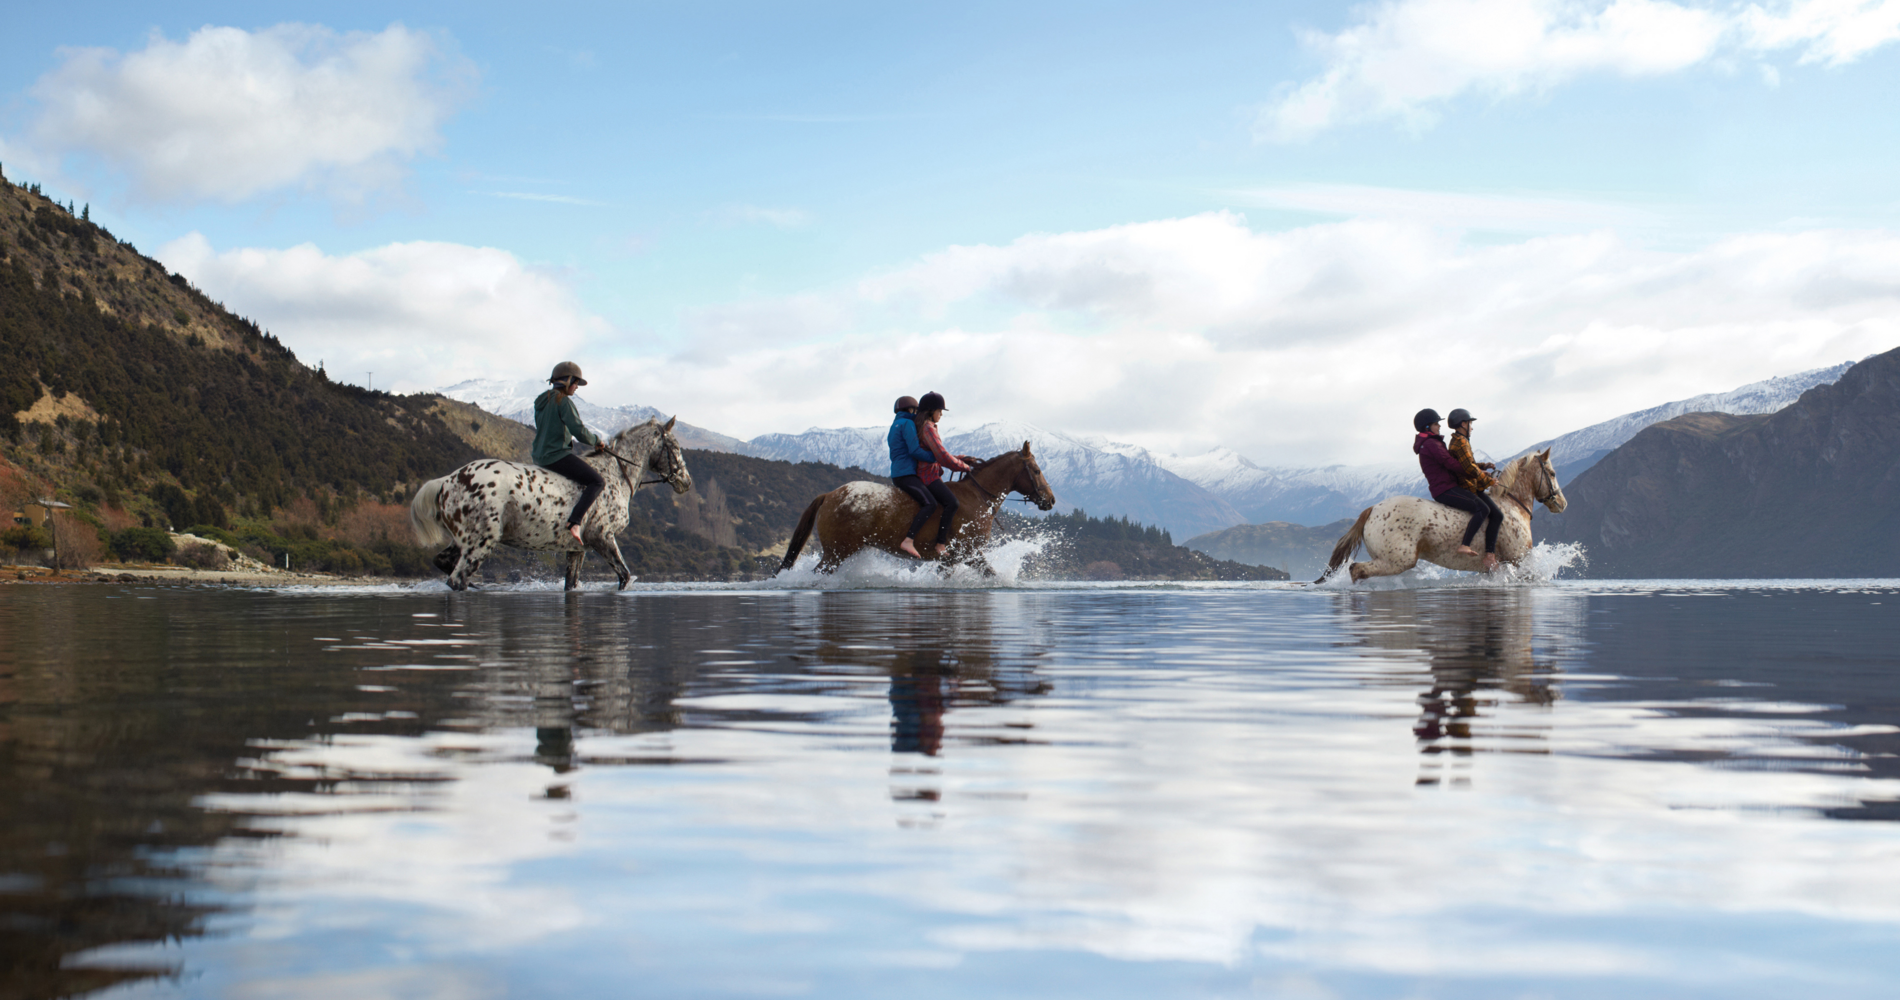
(556, 425)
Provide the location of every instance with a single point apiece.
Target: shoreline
(152, 573)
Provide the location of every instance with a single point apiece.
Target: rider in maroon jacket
(1441, 477)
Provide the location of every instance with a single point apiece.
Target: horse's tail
(425, 515)
(802, 532)
(1347, 542)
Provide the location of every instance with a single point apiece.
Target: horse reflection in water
(950, 653)
(1485, 653)
(602, 669)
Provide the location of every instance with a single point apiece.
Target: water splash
(875, 570)
(1540, 566)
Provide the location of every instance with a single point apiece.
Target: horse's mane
(992, 460)
(1513, 470)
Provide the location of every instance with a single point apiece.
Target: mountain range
(1811, 490)
(1189, 496)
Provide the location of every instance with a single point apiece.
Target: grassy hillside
(127, 392)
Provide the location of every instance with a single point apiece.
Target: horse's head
(1534, 478)
(1548, 492)
(669, 462)
(1029, 481)
(651, 447)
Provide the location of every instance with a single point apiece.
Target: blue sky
(1279, 228)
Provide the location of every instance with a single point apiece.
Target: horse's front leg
(609, 549)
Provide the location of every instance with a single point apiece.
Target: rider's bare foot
(1466, 550)
(942, 548)
(909, 548)
(1490, 562)
(575, 530)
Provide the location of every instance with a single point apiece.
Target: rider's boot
(909, 547)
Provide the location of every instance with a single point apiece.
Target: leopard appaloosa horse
(862, 515)
(1399, 531)
(491, 502)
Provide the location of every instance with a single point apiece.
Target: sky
(1279, 228)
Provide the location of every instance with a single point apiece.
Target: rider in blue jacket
(906, 452)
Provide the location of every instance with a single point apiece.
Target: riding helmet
(566, 370)
(904, 403)
(931, 401)
(1459, 416)
(1425, 418)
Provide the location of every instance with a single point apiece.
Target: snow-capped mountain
(1103, 478)
(1578, 450)
(1316, 495)
(515, 400)
(859, 447)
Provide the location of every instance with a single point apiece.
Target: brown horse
(862, 515)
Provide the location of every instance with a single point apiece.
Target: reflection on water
(1556, 790)
(1483, 648)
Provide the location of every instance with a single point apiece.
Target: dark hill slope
(118, 380)
(1810, 491)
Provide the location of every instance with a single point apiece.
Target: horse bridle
(970, 477)
(630, 463)
(1545, 499)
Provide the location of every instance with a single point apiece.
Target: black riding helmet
(1424, 418)
(1459, 416)
(931, 401)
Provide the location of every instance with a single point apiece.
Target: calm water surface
(1567, 790)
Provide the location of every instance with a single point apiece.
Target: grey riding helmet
(1459, 416)
(1423, 419)
(567, 370)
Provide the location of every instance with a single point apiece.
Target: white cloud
(1313, 345)
(1405, 59)
(228, 114)
(420, 315)
(1306, 346)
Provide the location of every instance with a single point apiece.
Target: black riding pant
(1483, 511)
(571, 466)
(929, 498)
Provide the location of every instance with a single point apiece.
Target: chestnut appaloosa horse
(1399, 531)
(862, 515)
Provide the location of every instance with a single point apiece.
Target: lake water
(1431, 789)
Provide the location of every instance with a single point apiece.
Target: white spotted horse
(1399, 531)
(492, 502)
